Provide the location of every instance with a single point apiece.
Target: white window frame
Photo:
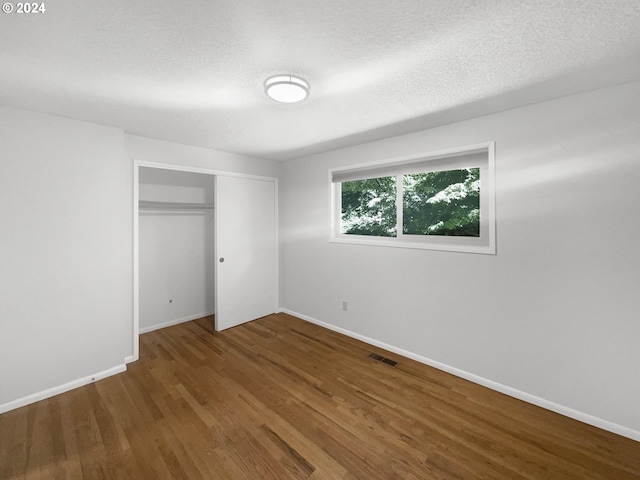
(472, 156)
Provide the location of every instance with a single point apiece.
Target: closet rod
(153, 205)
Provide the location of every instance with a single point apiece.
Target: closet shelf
(153, 205)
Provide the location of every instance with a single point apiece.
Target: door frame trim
(137, 164)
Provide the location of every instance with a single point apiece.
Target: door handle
(221, 260)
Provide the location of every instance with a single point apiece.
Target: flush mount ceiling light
(286, 88)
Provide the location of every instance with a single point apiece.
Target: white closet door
(245, 236)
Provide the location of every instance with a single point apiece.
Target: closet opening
(205, 245)
(176, 247)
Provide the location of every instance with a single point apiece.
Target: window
(442, 201)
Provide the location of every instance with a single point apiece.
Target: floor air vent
(382, 359)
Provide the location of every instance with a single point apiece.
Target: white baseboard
(171, 323)
(512, 392)
(129, 359)
(51, 392)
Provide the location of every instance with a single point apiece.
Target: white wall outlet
(345, 306)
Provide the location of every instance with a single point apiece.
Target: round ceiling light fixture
(286, 88)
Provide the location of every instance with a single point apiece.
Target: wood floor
(280, 398)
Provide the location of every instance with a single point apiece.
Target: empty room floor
(280, 398)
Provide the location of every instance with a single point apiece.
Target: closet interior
(176, 247)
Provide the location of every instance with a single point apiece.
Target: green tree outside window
(445, 203)
(442, 203)
(369, 207)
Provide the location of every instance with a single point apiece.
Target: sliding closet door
(245, 235)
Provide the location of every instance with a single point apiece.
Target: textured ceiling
(192, 72)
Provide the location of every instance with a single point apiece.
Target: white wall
(150, 150)
(66, 269)
(176, 249)
(66, 207)
(554, 316)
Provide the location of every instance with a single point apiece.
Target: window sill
(439, 244)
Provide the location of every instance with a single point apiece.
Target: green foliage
(435, 203)
(442, 203)
(369, 207)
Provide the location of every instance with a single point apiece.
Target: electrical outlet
(345, 306)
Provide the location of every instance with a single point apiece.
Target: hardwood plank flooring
(280, 398)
